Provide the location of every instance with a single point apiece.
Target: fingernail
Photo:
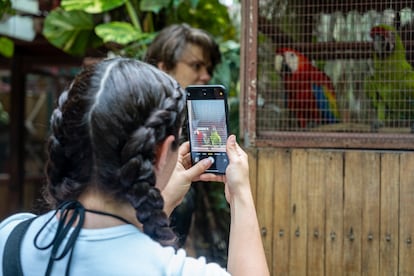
(208, 160)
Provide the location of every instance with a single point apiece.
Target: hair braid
(69, 166)
(138, 178)
(125, 137)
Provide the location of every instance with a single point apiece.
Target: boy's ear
(163, 151)
(161, 66)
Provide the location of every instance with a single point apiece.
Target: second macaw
(310, 92)
(391, 86)
(215, 138)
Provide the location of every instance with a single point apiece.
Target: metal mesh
(331, 67)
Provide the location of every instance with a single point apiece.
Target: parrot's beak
(286, 68)
(383, 47)
(281, 65)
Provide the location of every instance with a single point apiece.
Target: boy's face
(192, 68)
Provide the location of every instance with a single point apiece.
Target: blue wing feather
(323, 104)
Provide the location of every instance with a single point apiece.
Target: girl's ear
(163, 151)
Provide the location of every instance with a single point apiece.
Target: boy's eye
(196, 66)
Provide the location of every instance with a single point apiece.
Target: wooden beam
(17, 132)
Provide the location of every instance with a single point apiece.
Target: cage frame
(248, 95)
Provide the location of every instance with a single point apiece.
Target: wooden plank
(316, 212)
(334, 214)
(370, 214)
(354, 161)
(265, 180)
(389, 214)
(398, 139)
(281, 218)
(298, 223)
(406, 223)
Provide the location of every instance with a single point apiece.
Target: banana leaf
(91, 6)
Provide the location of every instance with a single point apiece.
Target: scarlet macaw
(310, 92)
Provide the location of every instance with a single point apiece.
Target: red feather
(308, 89)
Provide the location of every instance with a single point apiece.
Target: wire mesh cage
(335, 68)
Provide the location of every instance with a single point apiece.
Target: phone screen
(207, 125)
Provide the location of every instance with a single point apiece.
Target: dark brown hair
(105, 132)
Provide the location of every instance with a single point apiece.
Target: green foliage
(4, 116)
(209, 15)
(6, 44)
(140, 20)
(6, 47)
(154, 5)
(71, 31)
(119, 32)
(227, 73)
(5, 7)
(91, 6)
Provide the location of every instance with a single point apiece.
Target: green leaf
(176, 3)
(70, 31)
(5, 7)
(91, 6)
(154, 5)
(209, 15)
(6, 47)
(194, 3)
(119, 32)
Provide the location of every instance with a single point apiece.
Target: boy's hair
(169, 44)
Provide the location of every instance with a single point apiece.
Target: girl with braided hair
(115, 173)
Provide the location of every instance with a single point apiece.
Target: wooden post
(17, 132)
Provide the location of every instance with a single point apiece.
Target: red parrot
(199, 137)
(310, 92)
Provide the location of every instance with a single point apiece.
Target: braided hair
(105, 132)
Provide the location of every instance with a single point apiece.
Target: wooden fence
(335, 212)
(327, 212)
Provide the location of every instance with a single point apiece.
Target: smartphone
(207, 113)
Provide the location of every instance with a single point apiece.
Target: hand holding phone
(207, 112)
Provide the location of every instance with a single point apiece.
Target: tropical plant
(127, 26)
(6, 44)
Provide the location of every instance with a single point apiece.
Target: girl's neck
(95, 200)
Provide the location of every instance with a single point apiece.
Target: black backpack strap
(11, 255)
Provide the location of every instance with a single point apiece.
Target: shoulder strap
(11, 255)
